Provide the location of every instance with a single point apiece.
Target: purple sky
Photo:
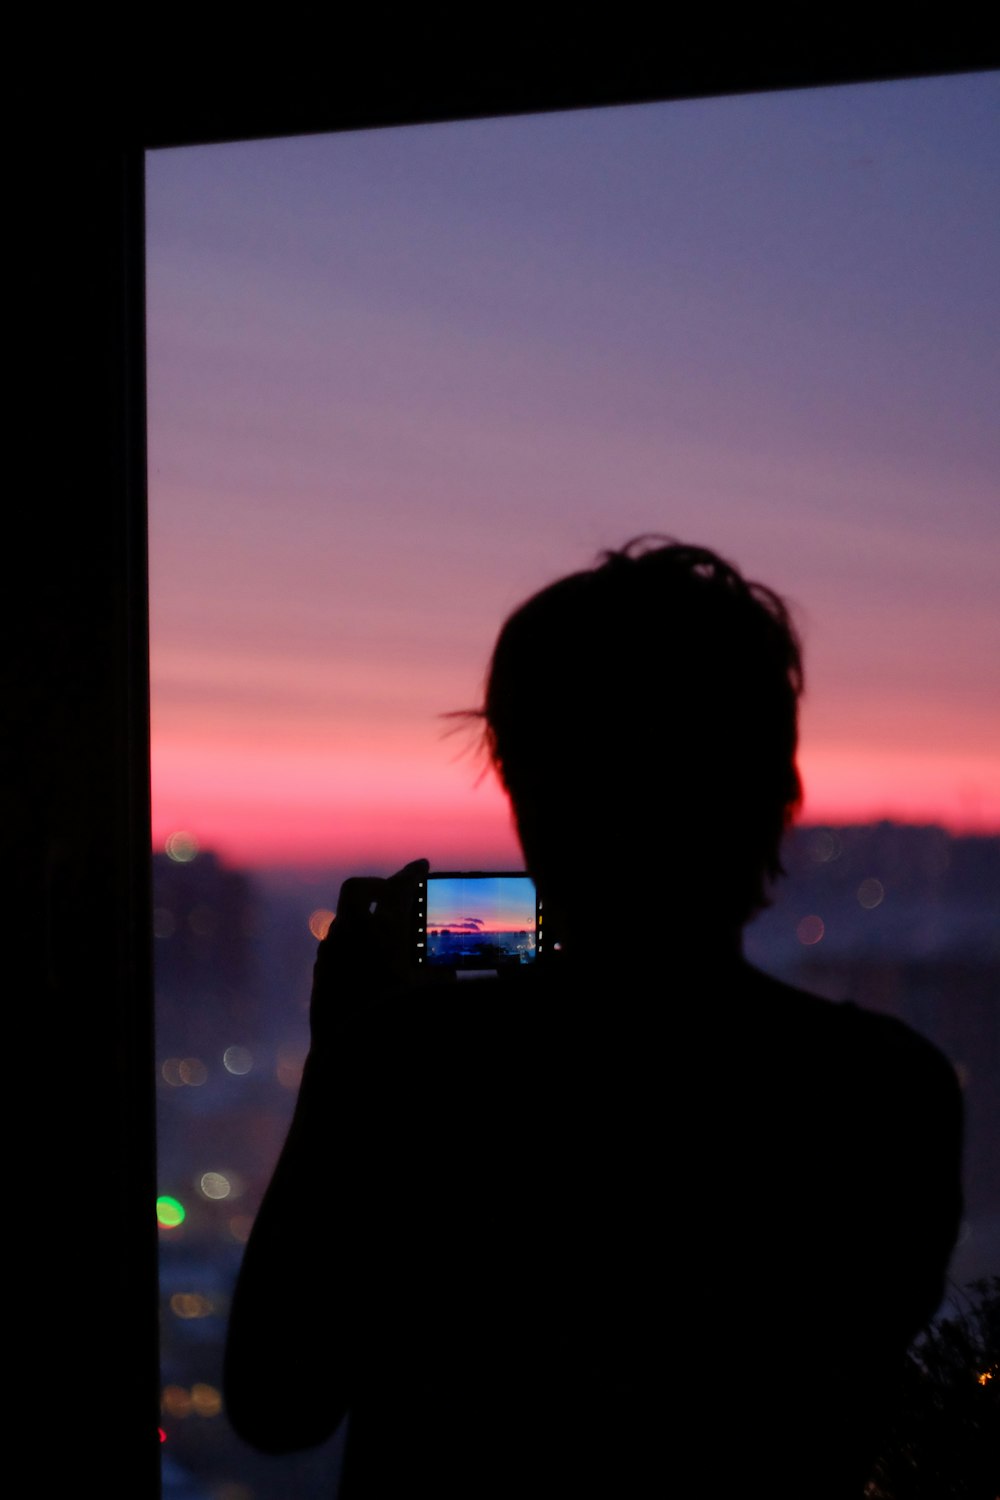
(399, 379)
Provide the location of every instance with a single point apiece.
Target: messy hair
(659, 684)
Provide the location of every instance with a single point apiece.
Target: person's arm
(933, 1187)
(291, 1352)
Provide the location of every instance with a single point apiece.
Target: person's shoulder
(866, 1040)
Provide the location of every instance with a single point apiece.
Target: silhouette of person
(640, 1219)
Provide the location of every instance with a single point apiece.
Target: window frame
(81, 814)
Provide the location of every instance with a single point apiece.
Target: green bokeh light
(170, 1212)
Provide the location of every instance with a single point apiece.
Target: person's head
(643, 714)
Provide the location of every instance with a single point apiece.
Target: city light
(240, 1226)
(170, 1212)
(182, 847)
(176, 1401)
(289, 1068)
(319, 923)
(178, 1071)
(206, 1400)
(810, 930)
(215, 1185)
(824, 845)
(191, 1305)
(202, 1399)
(871, 893)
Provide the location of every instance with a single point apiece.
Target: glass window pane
(398, 380)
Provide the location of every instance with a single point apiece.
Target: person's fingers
(398, 893)
(370, 948)
(357, 895)
(394, 918)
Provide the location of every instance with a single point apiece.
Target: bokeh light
(871, 893)
(192, 1071)
(202, 1399)
(191, 1305)
(240, 1226)
(171, 1072)
(176, 1401)
(289, 1068)
(182, 847)
(206, 1400)
(810, 930)
(214, 1185)
(238, 1060)
(232, 1489)
(824, 846)
(170, 1212)
(319, 923)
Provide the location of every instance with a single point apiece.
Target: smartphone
(477, 922)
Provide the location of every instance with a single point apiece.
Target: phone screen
(479, 922)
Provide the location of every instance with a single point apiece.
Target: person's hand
(369, 951)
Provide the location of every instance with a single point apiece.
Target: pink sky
(401, 379)
(289, 808)
(478, 910)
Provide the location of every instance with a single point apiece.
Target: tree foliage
(945, 1442)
